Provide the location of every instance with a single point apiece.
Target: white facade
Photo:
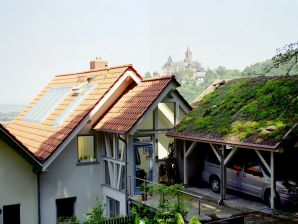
(18, 184)
(67, 178)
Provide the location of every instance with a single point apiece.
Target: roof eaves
(222, 142)
(14, 143)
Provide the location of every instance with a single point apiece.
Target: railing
(119, 220)
(150, 182)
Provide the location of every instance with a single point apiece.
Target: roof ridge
(158, 78)
(95, 70)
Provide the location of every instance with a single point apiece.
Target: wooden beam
(231, 154)
(185, 170)
(215, 152)
(191, 147)
(182, 104)
(113, 160)
(108, 154)
(263, 160)
(272, 180)
(177, 111)
(222, 176)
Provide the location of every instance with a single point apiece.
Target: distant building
(171, 67)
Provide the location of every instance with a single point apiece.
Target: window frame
(93, 160)
(70, 199)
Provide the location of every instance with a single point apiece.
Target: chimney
(98, 64)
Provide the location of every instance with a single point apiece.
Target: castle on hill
(171, 67)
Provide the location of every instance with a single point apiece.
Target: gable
(132, 105)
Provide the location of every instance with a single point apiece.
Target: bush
(96, 213)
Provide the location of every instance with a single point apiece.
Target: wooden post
(222, 176)
(273, 184)
(185, 170)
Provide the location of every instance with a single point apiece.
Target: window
(11, 214)
(114, 207)
(65, 207)
(46, 105)
(166, 115)
(254, 169)
(74, 104)
(86, 148)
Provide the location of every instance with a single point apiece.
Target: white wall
(18, 184)
(65, 178)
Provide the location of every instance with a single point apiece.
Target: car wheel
(215, 184)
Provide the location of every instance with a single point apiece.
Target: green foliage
(194, 220)
(168, 208)
(147, 75)
(179, 219)
(66, 220)
(95, 215)
(242, 109)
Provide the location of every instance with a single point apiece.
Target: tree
(287, 56)
(147, 75)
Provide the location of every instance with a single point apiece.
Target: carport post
(185, 170)
(273, 183)
(222, 176)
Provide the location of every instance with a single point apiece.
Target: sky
(40, 39)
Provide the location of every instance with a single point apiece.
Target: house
(19, 181)
(256, 114)
(93, 132)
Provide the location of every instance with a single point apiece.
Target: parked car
(250, 178)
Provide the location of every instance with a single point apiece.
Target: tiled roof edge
(95, 70)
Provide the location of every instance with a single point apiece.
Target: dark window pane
(65, 207)
(11, 214)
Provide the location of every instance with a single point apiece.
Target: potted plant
(145, 189)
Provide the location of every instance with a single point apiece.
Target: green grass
(241, 110)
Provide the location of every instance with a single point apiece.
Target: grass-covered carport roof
(256, 112)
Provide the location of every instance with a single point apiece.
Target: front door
(143, 164)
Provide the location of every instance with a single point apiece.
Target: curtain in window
(85, 146)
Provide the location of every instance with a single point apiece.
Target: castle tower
(188, 57)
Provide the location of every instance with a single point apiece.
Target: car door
(234, 176)
(252, 179)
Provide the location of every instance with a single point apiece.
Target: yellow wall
(18, 184)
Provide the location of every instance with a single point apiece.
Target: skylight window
(46, 105)
(79, 96)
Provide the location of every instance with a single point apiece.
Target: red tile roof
(42, 139)
(132, 105)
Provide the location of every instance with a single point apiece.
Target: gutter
(38, 198)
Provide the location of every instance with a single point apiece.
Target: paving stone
(204, 218)
(223, 215)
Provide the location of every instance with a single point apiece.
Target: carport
(258, 113)
(219, 148)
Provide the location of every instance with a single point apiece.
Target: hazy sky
(39, 39)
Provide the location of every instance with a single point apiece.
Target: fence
(119, 220)
(143, 182)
